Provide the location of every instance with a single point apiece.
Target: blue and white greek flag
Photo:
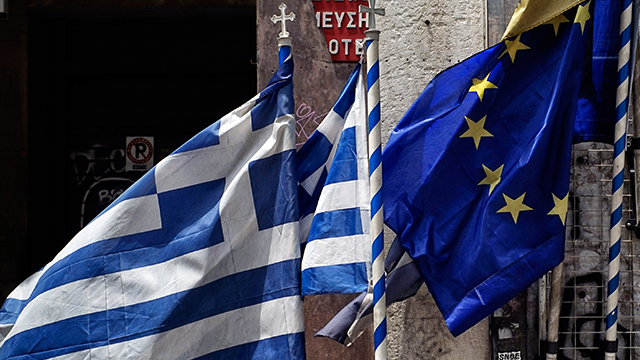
(198, 259)
(337, 255)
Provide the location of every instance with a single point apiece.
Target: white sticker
(139, 150)
(513, 355)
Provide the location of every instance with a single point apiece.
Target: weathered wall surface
(418, 40)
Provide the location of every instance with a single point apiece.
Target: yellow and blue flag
(476, 174)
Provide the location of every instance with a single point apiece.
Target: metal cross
(372, 13)
(283, 18)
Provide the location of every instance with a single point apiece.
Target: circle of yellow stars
(476, 129)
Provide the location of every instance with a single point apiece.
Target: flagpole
(542, 312)
(375, 180)
(620, 142)
(284, 40)
(554, 313)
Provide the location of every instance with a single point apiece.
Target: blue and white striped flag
(199, 258)
(337, 256)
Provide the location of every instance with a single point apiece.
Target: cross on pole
(371, 9)
(283, 18)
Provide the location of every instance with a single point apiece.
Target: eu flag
(596, 114)
(476, 174)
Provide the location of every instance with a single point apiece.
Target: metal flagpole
(284, 41)
(375, 180)
(554, 312)
(542, 312)
(620, 141)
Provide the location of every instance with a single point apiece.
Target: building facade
(89, 89)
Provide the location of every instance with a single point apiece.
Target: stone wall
(418, 40)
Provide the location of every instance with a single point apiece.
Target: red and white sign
(342, 25)
(139, 150)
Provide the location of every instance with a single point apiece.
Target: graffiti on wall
(306, 122)
(95, 163)
(99, 178)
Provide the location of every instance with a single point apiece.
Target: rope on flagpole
(620, 142)
(375, 180)
(284, 40)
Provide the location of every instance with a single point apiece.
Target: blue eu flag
(596, 114)
(476, 174)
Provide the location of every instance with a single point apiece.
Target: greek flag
(333, 169)
(198, 259)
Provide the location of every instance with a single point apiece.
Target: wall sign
(139, 152)
(342, 25)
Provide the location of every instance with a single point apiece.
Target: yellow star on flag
(492, 178)
(560, 207)
(476, 130)
(513, 46)
(514, 206)
(556, 21)
(583, 15)
(479, 86)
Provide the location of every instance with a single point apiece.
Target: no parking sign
(139, 150)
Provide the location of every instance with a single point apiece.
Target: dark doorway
(97, 77)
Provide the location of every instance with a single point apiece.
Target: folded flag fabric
(403, 281)
(200, 258)
(334, 180)
(476, 174)
(596, 114)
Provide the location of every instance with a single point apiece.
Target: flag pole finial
(372, 11)
(283, 36)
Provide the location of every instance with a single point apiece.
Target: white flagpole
(375, 180)
(620, 142)
(284, 40)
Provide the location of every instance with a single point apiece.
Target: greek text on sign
(139, 150)
(342, 25)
